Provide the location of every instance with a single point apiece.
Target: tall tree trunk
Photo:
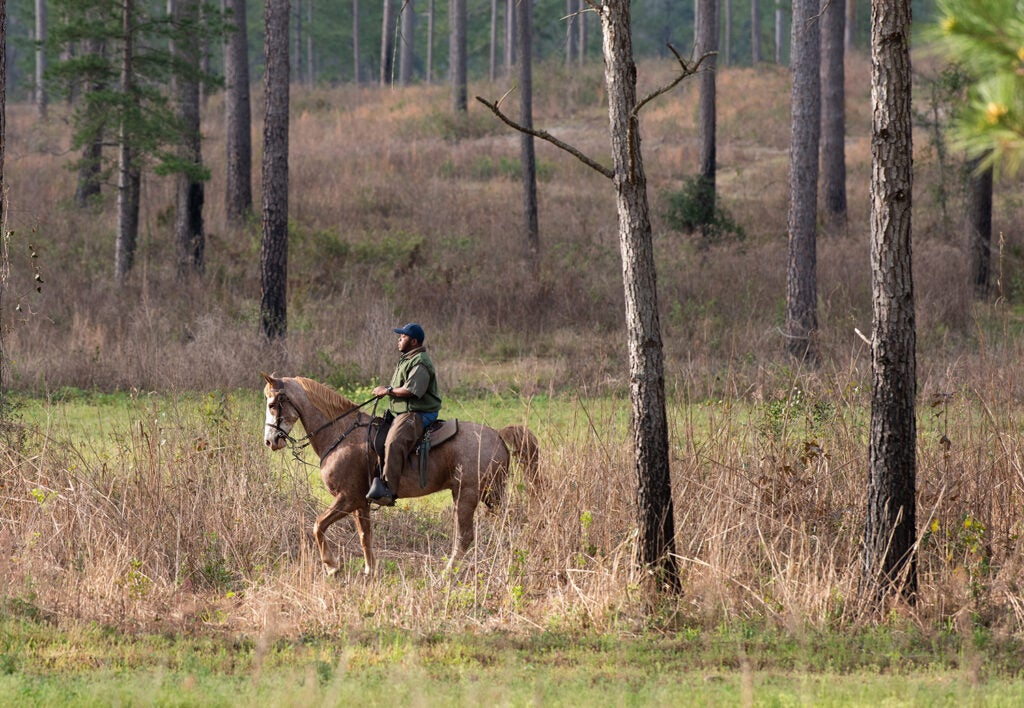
(355, 42)
(188, 224)
(3, 152)
(493, 66)
(407, 45)
(571, 33)
(890, 562)
(510, 36)
(386, 44)
(805, 108)
(979, 226)
(430, 42)
(127, 173)
(310, 56)
(40, 88)
(524, 22)
(582, 26)
(727, 33)
(457, 54)
(656, 542)
(238, 118)
(755, 32)
(851, 24)
(707, 44)
(90, 166)
(833, 117)
(780, 23)
(274, 245)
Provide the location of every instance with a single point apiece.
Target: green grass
(43, 665)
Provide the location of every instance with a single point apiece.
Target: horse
(474, 464)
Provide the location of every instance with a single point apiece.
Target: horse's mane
(329, 401)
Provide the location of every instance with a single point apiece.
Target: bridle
(297, 445)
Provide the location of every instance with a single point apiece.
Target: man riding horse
(414, 402)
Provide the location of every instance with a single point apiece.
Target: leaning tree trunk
(127, 191)
(656, 542)
(524, 22)
(978, 223)
(188, 224)
(457, 54)
(805, 109)
(833, 117)
(274, 246)
(238, 119)
(890, 562)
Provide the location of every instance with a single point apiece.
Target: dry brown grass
(185, 524)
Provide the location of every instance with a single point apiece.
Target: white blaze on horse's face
(277, 425)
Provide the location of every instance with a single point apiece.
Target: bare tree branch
(544, 135)
(688, 69)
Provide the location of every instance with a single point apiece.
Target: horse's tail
(524, 446)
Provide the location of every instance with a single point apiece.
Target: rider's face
(406, 343)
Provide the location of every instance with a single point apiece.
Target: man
(414, 401)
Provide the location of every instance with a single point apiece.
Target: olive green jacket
(415, 371)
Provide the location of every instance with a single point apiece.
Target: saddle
(436, 434)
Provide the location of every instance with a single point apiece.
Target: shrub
(695, 209)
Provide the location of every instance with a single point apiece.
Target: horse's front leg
(334, 512)
(365, 537)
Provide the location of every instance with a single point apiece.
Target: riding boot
(380, 493)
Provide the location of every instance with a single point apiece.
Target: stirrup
(380, 493)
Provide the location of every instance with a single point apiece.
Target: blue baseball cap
(412, 330)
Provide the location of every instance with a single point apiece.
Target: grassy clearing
(44, 665)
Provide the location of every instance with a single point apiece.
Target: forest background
(401, 211)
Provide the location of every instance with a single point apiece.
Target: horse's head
(281, 414)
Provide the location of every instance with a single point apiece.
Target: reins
(297, 445)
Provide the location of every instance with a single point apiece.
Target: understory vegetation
(136, 493)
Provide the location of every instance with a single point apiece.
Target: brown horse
(474, 464)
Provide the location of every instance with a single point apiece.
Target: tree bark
(805, 109)
(274, 245)
(755, 32)
(656, 543)
(238, 119)
(493, 57)
(707, 43)
(355, 42)
(510, 36)
(407, 43)
(127, 174)
(41, 98)
(727, 33)
(890, 562)
(524, 22)
(3, 152)
(571, 33)
(90, 166)
(581, 45)
(310, 55)
(430, 42)
(979, 227)
(851, 25)
(188, 225)
(457, 54)
(833, 117)
(780, 22)
(386, 44)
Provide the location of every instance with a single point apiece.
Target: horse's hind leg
(323, 522)
(465, 506)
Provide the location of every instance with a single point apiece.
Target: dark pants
(405, 432)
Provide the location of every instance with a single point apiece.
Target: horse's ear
(269, 377)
